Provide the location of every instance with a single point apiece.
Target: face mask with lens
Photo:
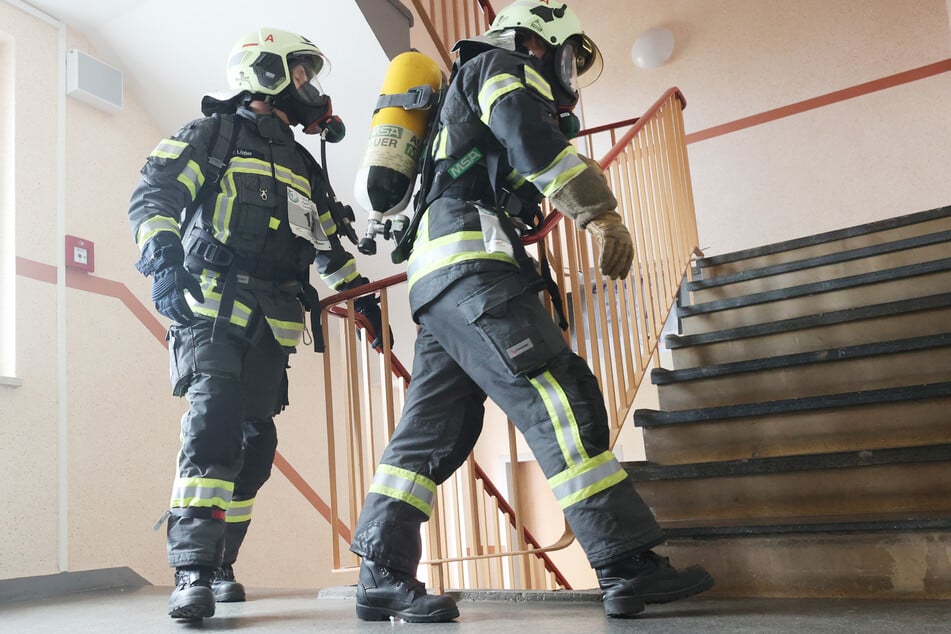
(307, 104)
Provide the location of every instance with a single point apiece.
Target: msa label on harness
(304, 220)
(460, 167)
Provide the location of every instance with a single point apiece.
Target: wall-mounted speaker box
(93, 82)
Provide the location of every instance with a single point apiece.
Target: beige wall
(864, 159)
(94, 377)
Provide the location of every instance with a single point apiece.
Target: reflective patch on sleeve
(566, 166)
(493, 90)
(156, 224)
(169, 149)
(192, 178)
(346, 273)
(535, 80)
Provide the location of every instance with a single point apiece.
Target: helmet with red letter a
(283, 69)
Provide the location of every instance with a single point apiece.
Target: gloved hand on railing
(163, 258)
(617, 249)
(369, 307)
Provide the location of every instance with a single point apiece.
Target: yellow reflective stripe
(298, 182)
(566, 166)
(247, 165)
(514, 179)
(156, 224)
(240, 313)
(586, 479)
(224, 205)
(494, 89)
(346, 273)
(414, 489)
(439, 145)
(287, 333)
(201, 492)
(328, 224)
(534, 79)
(562, 418)
(192, 178)
(221, 219)
(448, 250)
(169, 149)
(274, 223)
(239, 511)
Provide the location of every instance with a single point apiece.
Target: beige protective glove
(617, 249)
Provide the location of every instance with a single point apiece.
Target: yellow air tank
(387, 176)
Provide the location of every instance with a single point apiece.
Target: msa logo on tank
(304, 220)
(404, 147)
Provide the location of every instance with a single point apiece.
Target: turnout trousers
(488, 335)
(234, 386)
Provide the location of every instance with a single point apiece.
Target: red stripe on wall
(100, 286)
(859, 90)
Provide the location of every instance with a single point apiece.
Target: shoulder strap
(427, 174)
(224, 136)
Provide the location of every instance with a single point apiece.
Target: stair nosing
(926, 391)
(838, 257)
(653, 472)
(875, 226)
(663, 376)
(816, 320)
(816, 288)
(843, 527)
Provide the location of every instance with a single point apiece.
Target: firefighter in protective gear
(483, 331)
(234, 281)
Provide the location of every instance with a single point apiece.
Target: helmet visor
(566, 68)
(588, 60)
(305, 68)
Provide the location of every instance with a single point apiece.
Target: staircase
(803, 443)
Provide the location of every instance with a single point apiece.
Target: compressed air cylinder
(387, 175)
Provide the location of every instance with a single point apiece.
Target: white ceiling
(171, 52)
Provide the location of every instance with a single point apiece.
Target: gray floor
(143, 610)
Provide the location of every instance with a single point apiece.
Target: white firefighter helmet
(559, 27)
(262, 61)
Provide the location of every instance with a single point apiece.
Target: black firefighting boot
(627, 584)
(192, 597)
(226, 589)
(382, 593)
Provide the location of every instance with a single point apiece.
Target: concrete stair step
(865, 289)
(913, 481)
(911, 361)
(826, 267)
(876, 419)
(908, 560)
(851, 326)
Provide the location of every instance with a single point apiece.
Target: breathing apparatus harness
(435, 183)
(206, 252)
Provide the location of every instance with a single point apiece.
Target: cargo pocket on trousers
(516, 338)
(181, 358)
